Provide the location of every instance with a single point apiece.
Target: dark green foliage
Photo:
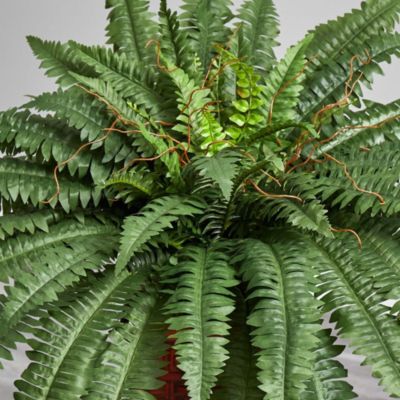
(184, 191)
(257, 32)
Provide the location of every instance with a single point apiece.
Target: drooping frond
(336, 38)
(17, 253)
(257, 33)
(51, 271)
(360, 317)
(339, 82)
(130, 79)
(203, 278)
(131, 363)
(204, 22)
(284, 316)
(90, 117)
(371, 126)
(58, 60)
(153, 219)
(284, 84)
(60, 343)
(327, 382)
(34, 184)
(336, 42)
(381, 250)
(367, 180)
(131, 27)
(239, 379)
(52, 139)
(31, 221)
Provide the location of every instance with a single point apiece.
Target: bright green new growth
(183, 188)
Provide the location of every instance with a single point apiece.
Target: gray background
(84, 21)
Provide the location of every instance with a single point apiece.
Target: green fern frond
(90, 117)
(58, 61)
(204, 21)
(154, 218)
(131, 185)
(60, 337)
(131, 27)
(257, 34)
(310, 215)
(203, 280)
(336, 38)
(17, 253)
(279, 279)
(173, 40)
(131, 80)
(369, 127)
(56, 267)
(131, 361)
(329, 374)
(239, 379)
(221, 168)
(34, 184)
(284, 84)
(375, 175)
(357, 310)
(328, 84)
(53, 140)
(31, 222)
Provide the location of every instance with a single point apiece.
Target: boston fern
(184, 196)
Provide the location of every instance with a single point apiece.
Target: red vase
(174, 388)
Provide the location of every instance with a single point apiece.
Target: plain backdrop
(84, 21)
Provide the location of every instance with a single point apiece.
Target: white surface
(84, 21)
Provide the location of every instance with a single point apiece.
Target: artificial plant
(184, 189)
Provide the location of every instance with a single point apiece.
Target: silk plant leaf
(258, 29)
(284, 84)
(284, 318)
(204, 21)
(154, 218)
(221, 168)
(198, 311)
(131, 27)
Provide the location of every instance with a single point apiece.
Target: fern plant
(185, 196)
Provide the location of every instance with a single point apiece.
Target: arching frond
(239, 379)
(330, 83)
(357, 311)
(131, 80)
(203, 280)
(60, 357)
(52, 139)
(28, 222)
(284, 315)
(375, 124)
(284, 84)
(157, 216)
(131, 363)
(204, 22)
(33, 184)
(90, 117)
(131, 27)
(58, 60)
(17, 254)
(328, 381)
(257, 33)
